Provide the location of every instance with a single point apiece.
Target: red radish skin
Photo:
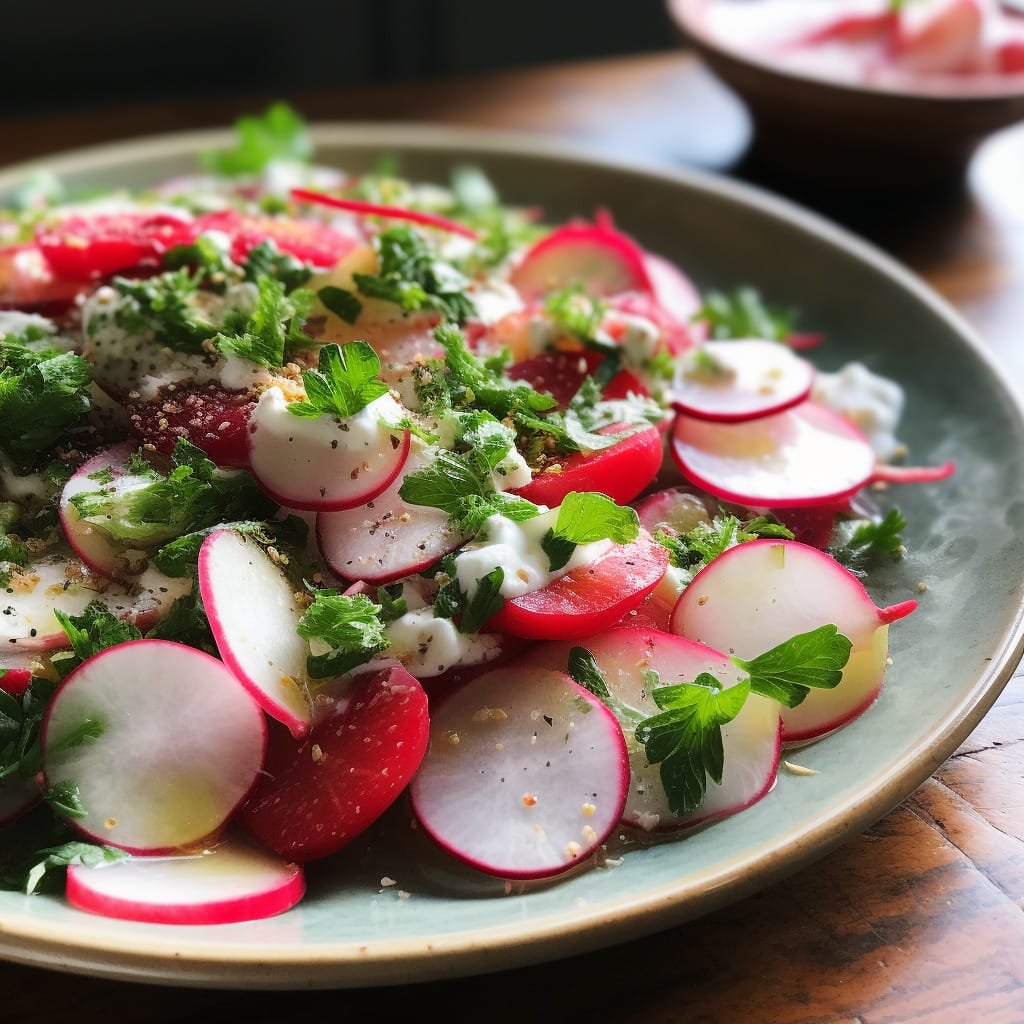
(431, 220)
(676, 293)
(232, 882)
(387, 538)
(316, 795)
(947, 39)
(211, 417)
(90, 543)
(526, 775)
(325, 464)
(186, 739)
(562, 374)
(589, 599)
(754, 596)
(852, 28)
(604, 261)
(805, 456)
(751, 742)
(914, 474)
(621, 471)
(757, 378)
(253, 615)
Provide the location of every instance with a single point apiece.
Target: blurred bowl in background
(822, 128)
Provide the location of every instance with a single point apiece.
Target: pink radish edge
(913, 474)
(433, 220)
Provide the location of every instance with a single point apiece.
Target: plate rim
(210, 962)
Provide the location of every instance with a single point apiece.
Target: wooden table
(919, 919)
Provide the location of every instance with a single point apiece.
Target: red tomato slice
(209, 416)
(307, 240)
(621, 471)
(88, 247)
(588, 600)
(562, 374)
(317, 794)
(27, 282)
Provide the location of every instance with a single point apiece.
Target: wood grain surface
(920, 918)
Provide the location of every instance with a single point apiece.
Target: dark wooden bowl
(839, 133)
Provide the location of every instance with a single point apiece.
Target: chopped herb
(65, 799)
(485, 602)
(744, 315)
(587, 673)
(346, 381)
(280, 134)
(20, 718)
(340, 302)
(186, 623)
(267, 260)
(872, 542)
(350, 626)
(160, 304)
(393, 604)
(87, 732)
(575, 312)
(586, 517)
(263, 335)
(96, 629)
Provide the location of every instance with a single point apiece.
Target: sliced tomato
(28, 283)
(309, 241)
(87, 247)
(563, 373)
(621, 471)
(317, 794)
(587, 600)
(208, 415)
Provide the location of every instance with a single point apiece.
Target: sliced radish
(562, 374)
(677, 508)
(852, 28)
(316, 795)
(601, 259)
(27, 622)
(730, 381)
(676, 293)
(431, 220)
(326, 463)
(253, 616)
(231, 882)
(945, 38)
(589, 599)
(807, 455)
(621, 470)
(526, 775)
(387, 538)
(914, 474)
(751, 741)
(173, 744)
(757, 595)
(90, 542)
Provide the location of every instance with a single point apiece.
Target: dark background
(62, 54)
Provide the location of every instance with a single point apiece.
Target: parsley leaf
(413, 277)
(65, 798)
(346, 381)
(788, 671)
(871, 542)
(160, 304)
(686, 738)
(583, 518)
(585, 671)
(341, 302)
(743, 314)
(20, 718)
(575, 312)
(485, 602)
(267, 260)
(393, 604)
(178, 557)
(263, 335)
(55, 859)
(350, 627)
(186, 623)
(96, 629)
(280, 134)
(40, 403)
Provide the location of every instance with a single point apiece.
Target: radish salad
(321, 491)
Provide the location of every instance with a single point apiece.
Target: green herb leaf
(744, 315)
(583, 518)
(485, 602)
(267, 260)
(576, 313)
(96, 629)
(20, 718)
(871, 543)
(263, 336)
(686, 737)
(87, 732)
(346, 382)
(186, 623)
(65, 799)
(350, 626)
(340, 302)
(160, 304)
(280, 134)
(787, 672)
(584, 670)
(393, 604)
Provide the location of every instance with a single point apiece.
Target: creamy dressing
(872, 402)
(516, 548)
(30, 489)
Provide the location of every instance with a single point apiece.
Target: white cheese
(640, 340)
(874, 403)
(516, 547)
(494, 300)
(13, 321)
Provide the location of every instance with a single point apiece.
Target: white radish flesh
(27, 622)
(731, 381)
(231, 882)
(326, 463)
(526, 773)
(757, 595)
(672, 288)
(168, 744)
(253, 616)
(92, 545)
(751, 741)
(387, 538)
(806, 455)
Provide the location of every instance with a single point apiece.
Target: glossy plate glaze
(951, 659)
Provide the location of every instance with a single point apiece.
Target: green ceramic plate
(950, 659)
